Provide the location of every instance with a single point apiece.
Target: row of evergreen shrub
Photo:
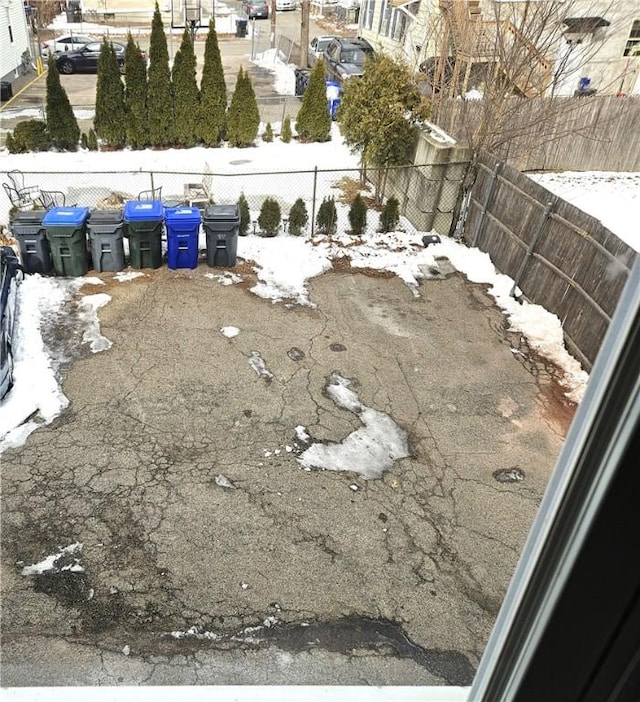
(163, 106)
(270, 216)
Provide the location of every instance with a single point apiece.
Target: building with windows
(14, 39)
(541, 47)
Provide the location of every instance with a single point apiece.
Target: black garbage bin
(241, 27)
(221, 224)
(302, 80)
(106, 238)
(6, 91)
(35, 252)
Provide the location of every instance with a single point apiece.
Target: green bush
(92, 141)
(245, 215)
(358, 215)
(286, 133)
(270, 216)
(327, 217)
(298, 217)
(31, 135)
(268, 133)
(84, 141)
(390, 215)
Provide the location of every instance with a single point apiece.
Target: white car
(68, 42)
(282, 5)
(316, 48)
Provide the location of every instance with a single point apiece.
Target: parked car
(283, 5)
(345, 57)
(258, 9)
(85, 59)
(11, 273)
(67, 42)
(317, 46)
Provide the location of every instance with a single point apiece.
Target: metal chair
(52, 198)
(153, 194)
(25, 191)
(17, 199)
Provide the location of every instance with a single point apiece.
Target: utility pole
(304, 34)
(272, 10)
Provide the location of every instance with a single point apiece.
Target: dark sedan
(85, 59)
(11, 273)
(258, 9)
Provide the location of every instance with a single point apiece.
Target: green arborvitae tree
(298, 217)
(245, 215)
(390, 215)
(314, 119)
(159, 103)
(243, 118)
(186, 96)
(270, 217)
(358, 215)
(286, 134)
(135, 96)
(327, 217)
(62, 124)
(92, 140)
(110, 121)
(267, 135)
(379, 115)
(213, 92)
(84, 141)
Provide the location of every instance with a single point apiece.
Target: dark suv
(11, 273)
(344, 58)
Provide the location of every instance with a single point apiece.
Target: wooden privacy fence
(556, 134)
(559, 256)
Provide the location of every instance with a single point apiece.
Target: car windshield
(356, 56)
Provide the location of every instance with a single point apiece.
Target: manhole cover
(337, 347)
(509, 475)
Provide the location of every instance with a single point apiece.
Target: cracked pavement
(209, 555)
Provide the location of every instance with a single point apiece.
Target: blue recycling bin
(66, 232)
(143, 225)
(183, 229)
(333, 96)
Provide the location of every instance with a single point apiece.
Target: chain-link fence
(111, 189)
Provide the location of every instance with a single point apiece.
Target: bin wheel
(66, 67)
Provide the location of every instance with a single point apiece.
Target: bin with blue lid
(66, 232)
(333, 91)
(143, 227)
(183, 230)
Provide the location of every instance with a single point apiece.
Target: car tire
(122, 68)
(66, 67)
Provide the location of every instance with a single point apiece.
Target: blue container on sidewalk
(183, 229)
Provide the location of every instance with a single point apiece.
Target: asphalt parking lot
(200, 551)
(208, 554)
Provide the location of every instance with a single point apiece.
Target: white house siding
(14, 37)
(609, 70)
